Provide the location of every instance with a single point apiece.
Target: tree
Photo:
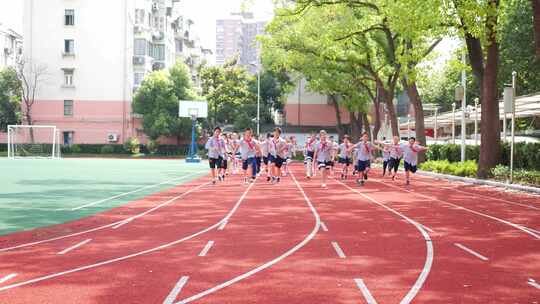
(32, 76)
(157, 101)
(226, 88)
(536, 17)
(10, 98)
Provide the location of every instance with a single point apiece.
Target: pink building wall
(314, 115)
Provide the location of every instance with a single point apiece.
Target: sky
(205, 13)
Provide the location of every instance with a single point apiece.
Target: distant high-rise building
(10, 47)
(236, 38)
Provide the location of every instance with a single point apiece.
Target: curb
(469, 180)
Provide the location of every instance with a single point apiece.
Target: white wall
(306, 96)
(103, 35)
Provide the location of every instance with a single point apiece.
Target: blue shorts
(247, 162)
(363, 165)
(345, 161)
(411, 168)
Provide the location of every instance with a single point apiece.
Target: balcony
(139, 60)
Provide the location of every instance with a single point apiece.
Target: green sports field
(36, 193)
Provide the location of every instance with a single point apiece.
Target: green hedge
(526, 155)
(466, 169)
(521, 176)
(3, 147)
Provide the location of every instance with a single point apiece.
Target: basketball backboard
(192, 108)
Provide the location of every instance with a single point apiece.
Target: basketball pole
(192, 157)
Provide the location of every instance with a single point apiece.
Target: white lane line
(123, 258)
(108, 225)
(427, 228)
(7, 278)
(365, 291)
(176, 290)
(121, 224)
(492, 198)
(429, 246)
(74, 246)
(206, 248)
(533, 283)
(338, 250)
(476, 254)
(222, 226)
(516, 226)
(130, 192)
(270, 263)
(323, 226)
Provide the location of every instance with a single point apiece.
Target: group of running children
(271, 155)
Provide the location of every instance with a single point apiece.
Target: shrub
(466, 169)
(132, 145)
(152, 146)
(75, 149)
(107, 149)
(527, 177)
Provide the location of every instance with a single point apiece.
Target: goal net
(33, 142)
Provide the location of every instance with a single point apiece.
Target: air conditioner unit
(112, 137)
(7, 50)
(138, 28)
(155, 6)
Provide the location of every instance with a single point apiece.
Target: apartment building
(96, 54)
(236, 38)
(10, 47)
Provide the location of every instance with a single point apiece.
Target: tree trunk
(355, 126)
(388, 99)
(377, 123)
(490, 148)
(339, 125)
(365, 122)
(536, 22)
(414, 97)
(29, 122)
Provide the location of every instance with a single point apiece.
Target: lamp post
(436, 125)
(258, 97)
(476, 121)
(514, 84)
(453, 123)
(463, 106)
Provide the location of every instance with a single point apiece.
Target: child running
(277, 154)
(345, 156)
(364, 150)
(308, 155)
(385, 158)
(289, 154)
(216, 152)
(248, 150)
(410, 157)
(396, 153)
(323, 156)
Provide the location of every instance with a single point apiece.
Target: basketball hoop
(193, 109)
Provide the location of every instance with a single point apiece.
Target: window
(140, 47)
(68, 138)
(138, 78)
(159, 52)
(68, 107)
(68, 77)
(69, 47)
(69, 18)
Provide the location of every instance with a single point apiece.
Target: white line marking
(222, 226)
(488, 197)
(206, 248)
(429, 247)
(365, 291)
(338, 250)
(533, 283)
(74, 246)
(107, 262)
(516, 226)
(427, 228)
(323, 226)
(476, 254)
(130, 192)
(267, 264)
(176, 290)
(121, 224)
(7, 278)
(108, 225)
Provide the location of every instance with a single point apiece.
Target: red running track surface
(430, 242)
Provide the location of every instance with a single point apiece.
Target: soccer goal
(26, 141)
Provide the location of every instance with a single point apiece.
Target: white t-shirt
(264, 147)
(215, 147)
(344, 150)
(324, 151)
(364, 150)
(277, 147)
(247, 148)
(410, 153)
(396, 152)
(310, 145)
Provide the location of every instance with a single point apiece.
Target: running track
(431, 242)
